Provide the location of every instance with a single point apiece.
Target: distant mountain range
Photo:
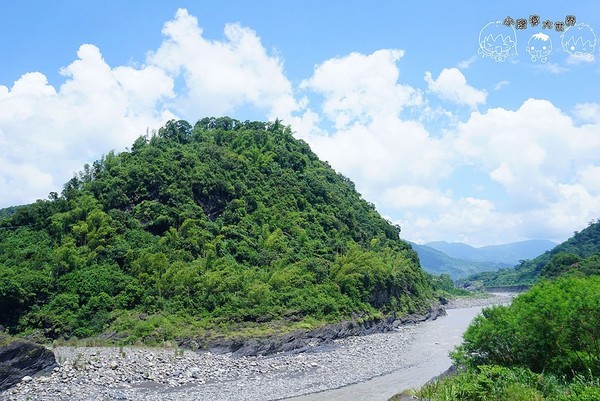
(510, 254)
(460, 260)
(580, 252)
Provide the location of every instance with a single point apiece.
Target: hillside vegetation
(224, 227)
(580, 252)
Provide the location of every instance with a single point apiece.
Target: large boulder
(22, 358)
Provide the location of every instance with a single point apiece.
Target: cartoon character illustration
(579, 41)
(539, 47)
(498, 41)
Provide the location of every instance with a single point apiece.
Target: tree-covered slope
(515, 252)
(8, 211)
(581, 253)
(223, 226)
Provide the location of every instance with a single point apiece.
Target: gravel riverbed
(169, 374)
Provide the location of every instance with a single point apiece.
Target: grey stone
(20, 359)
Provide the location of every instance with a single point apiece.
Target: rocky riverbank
(301, 341)
(485, 299)
(176, 374)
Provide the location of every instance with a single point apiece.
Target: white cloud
(503, 175)
(546, 166)
(528, 151)
(452, 85)
(463, 219)
(360, 88)
(220, 76)
(544, 162)
(48, 133)
(23, 180)
(384, 152)
(589, 177)
(575, 207)
(371, 142)
(410, 196)
(501, 85)
(589, 112)
(551, 68)
(464, 64)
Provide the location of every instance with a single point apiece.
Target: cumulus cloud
(588, 112)
(370, 142)
(461, 219)
(359, 88)
(545, 168)
(219, 76)
(544, 162)
(410, 196)
(385, 152)
(47, 133)
(452, 85)
(589, 177)
(537, 145)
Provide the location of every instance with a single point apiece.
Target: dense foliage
(8, 211)
(580, 252)
(497, 383)
(553, 327)
(220, 226)
(544, 346)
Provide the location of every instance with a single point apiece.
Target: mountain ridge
(437, 262)
(581, 252)
(509, 254)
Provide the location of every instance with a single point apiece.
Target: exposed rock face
(301, 341)
(20, 359)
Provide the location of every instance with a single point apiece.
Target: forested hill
(222, 227)
(579, 254)
(8, 211)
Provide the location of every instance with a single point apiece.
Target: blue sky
(396, 95)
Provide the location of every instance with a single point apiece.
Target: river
(372, 368)
(426, 357)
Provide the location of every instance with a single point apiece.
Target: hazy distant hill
(8, 211)
(581, 251)
(508, 254)
(435, 261)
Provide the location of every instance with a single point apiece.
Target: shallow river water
(427, 356)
